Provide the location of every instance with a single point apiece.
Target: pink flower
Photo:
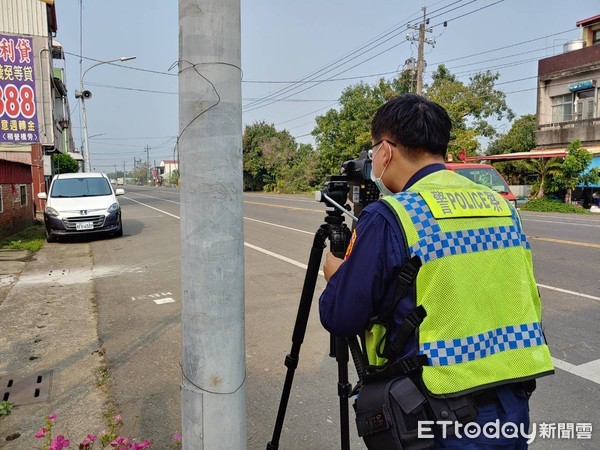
(121, 443)
(52, 417)
(89, 440)
(41, 433)
(59, 442)
(142, 445)
(176, 437)
(118, 419)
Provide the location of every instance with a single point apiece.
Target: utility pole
(422, 28)
(147, 164)
(123, 172)
(213, 392)
(116, 174)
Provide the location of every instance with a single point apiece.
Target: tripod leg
(291, 360)
(344, 390)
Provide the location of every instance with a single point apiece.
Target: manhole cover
(26, 390)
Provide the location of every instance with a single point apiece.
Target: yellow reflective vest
(483, 325)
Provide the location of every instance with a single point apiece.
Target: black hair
(413, 122)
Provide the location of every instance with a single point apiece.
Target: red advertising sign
(18, 120)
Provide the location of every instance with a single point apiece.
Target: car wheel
(119, 232)
(50, 237)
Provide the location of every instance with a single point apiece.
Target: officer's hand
(331, 265)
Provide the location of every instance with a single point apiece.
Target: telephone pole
(213, 391)
(422, 29)
(147, 164)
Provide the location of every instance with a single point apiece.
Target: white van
(81, 203)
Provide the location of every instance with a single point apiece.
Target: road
(137, 284)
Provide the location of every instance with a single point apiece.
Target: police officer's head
(408, 133)
(413, 122)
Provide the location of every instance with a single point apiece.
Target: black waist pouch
(388, 413)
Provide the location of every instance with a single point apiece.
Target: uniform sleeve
(354, 293)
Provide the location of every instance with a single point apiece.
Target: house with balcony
(567, 99)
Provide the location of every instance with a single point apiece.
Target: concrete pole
(213, 394)
(87, 167)
(420, 64)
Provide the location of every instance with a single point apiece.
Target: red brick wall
(14, 217)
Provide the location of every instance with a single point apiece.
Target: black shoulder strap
(406, 277)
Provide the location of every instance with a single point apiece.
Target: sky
(333, 43)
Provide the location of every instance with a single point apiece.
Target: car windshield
(80, 187)
(486, 176)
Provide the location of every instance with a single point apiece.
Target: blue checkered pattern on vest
(455, 351)
(433, 243)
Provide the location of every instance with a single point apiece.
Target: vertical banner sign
(18, 121)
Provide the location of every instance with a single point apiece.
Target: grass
(5, 408)
(551, 205)
(31, 238)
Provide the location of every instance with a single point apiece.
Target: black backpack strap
(406, 276)
(402, 332)
(398, 368)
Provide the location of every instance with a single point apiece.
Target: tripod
(339, 234)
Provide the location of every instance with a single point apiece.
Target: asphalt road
(137, 283)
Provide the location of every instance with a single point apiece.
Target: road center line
(560, 241)
(299, 264)
(322, 211)
(525, 219)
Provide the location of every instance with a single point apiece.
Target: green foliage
(273, 161)
(574, 168)
(551, 205)
(64, 163)
(520, 137)
(31, 238)
(470, 106)
(5, 408)
(543, 169)
(140, 173)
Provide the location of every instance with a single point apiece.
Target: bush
(551, 205)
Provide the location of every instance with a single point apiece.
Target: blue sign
(581, 85)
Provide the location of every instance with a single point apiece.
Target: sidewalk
(48, 324)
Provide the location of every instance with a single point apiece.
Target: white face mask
(378, 180)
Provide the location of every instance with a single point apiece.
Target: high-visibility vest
(483, 324)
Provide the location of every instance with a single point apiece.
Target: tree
(64, 163)
(273, 161)
(573, 169)
(342, 134)
(520, 138)
(542, 168)
(470, 107)
(140, 173)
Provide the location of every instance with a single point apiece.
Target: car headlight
(114, 207)
(51, 211)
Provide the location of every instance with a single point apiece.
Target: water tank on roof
(573, 45)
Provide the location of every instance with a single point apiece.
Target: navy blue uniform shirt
(364, 285)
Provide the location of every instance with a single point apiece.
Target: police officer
(474, 302)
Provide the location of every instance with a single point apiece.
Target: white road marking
(299, 264)
(279, 226)
(577, 294)
(152, 207)
(590, 370)
(562, 223)
(162, 301)
(278, 256)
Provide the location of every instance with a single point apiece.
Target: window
(585, 105)
(596, 37)
(562, 108)
(23, 192)
(1, 200)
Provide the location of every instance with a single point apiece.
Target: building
(567, 99)
(33, 119)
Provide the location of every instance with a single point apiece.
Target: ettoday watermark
(507, 430)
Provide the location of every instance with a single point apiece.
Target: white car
(81, 204)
